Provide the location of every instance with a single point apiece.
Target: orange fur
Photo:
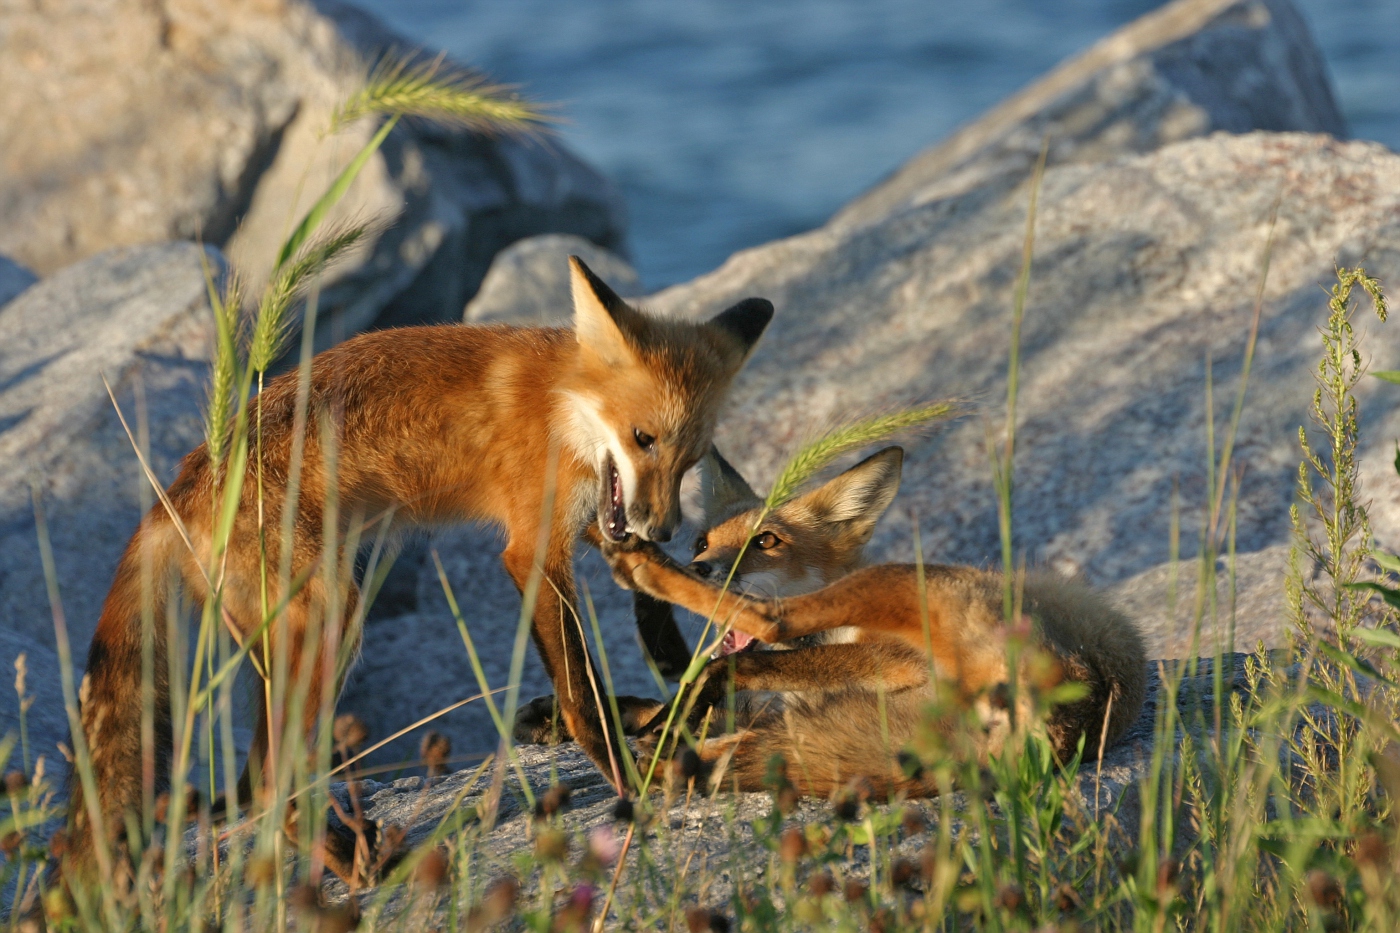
(429, 425)
(861, 668)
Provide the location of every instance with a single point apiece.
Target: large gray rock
(14, 279)
(140, 317)
(1185, 70)
(207, 118)
(528, 282)
(1145, 268)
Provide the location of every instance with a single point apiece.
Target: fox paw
(536, 723)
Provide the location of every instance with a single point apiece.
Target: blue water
(729, 123)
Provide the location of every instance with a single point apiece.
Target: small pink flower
(604, 844)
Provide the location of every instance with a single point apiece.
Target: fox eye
(702, 544)
(643, 439)
(767, 541)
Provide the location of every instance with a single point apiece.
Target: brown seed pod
(261, 871)
(551, 845)
(913, 822)
(686, 765)
(435, 750)
(792, 845)
(349, 731)
(855, 890)
(786, 799)
(499, 900)
(697, 920)
(304, 897)
(15, 783)
(1067, 899)
(846, 807)
(903, 873)
(928, 861)
(1010, 898)
(553, 801)
(1371, 849)
(1323, 889)
(1167, 874)
(624, 811)
(821, 884)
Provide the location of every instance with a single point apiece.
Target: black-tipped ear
(601, 291)
(723, 489)
(859, 496)
(746, 320)
(602, 320)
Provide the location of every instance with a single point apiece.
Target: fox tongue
(733, 642)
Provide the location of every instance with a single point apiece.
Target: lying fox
(438, 424)
(855, 684)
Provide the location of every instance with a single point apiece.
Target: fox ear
(723, 491)
(858, 497)
(603, 322)
(745, 321)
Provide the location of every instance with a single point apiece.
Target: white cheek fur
(592, 437)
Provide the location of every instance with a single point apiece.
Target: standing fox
(439, 424)
(866, 659)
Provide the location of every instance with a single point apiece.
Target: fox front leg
(648, 569)
(656, 623)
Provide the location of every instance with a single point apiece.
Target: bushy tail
(1099, 647)
(111, 700)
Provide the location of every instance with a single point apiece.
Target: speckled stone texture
(708, 831)
(131, 123)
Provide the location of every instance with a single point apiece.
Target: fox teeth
(616, 524)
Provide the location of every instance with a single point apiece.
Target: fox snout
(703, 568)
(651, 528)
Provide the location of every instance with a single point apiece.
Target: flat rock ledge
(716, 835)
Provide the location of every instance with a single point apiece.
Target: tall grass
(1265, 802)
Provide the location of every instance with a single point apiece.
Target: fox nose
(702, 568)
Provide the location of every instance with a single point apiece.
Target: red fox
(866, 659)
(442, 424)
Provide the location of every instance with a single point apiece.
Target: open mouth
(733, 642)
(615, 522)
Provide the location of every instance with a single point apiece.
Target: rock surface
(710, 830)
(140, 317)
(132, 123)
(14, 279)
(1125, 307)
(528, 282)
(1185, 70)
